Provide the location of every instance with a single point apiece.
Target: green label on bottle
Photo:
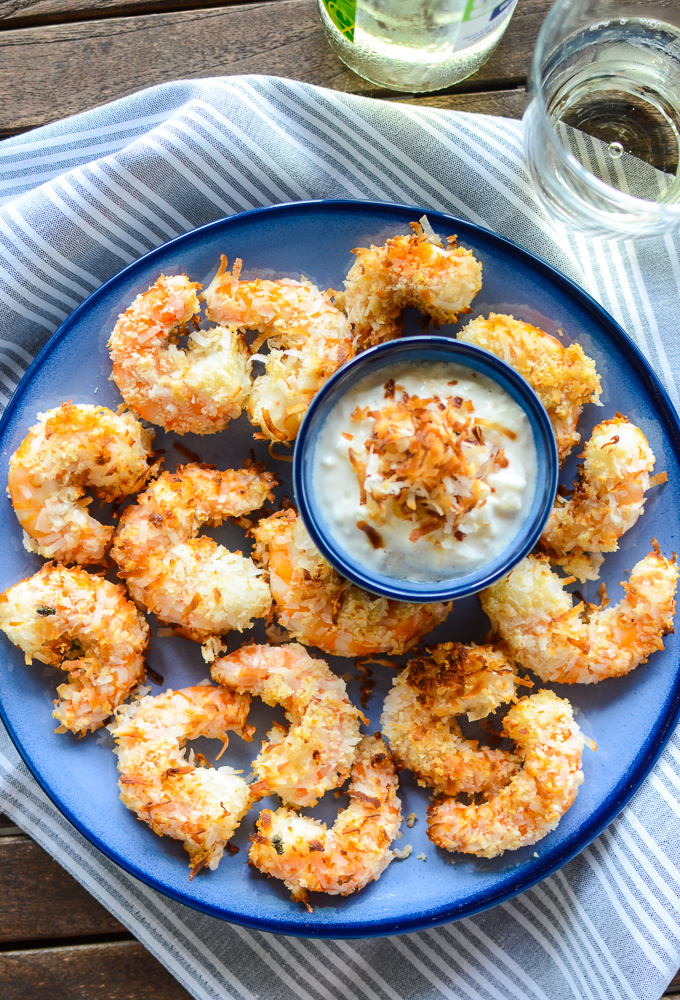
(490, 9)
(342, 13)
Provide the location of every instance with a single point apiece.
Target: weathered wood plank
(22, 13)
(38, 899)
(48, 73)
(509, 103)
(26, 13)
(123, 970)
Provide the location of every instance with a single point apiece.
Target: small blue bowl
(386, 357)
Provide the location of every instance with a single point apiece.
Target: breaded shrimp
(316, 753)
(532, 804)
(320, 608)
(193, 583)
(564, 379)
(70, 449)
(419, 717)
(609, 497)
(308, 857)
(87, 626)
(408, 271)
(308, 340)
(195, 389)
(175, 797)
(531, 610)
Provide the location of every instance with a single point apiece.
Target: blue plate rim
(453, 588)
(600, 818)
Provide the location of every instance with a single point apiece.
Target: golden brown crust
(564, 378)
(88, 627)
(408, 271)
(419, 717)
(320, 608)
(192, 582)
(548, 634)
(533, 802)
(308, 857)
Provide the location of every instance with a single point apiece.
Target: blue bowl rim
(492, 367)
(600, 818)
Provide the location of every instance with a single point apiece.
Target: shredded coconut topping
(426, 461)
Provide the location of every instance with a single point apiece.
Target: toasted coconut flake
(426, 462)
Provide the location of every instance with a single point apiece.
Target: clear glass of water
(610, 69)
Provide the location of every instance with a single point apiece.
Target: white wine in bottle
(415, 45)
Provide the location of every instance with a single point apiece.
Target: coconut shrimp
(70, 449)
(408, 271)
(308, 857)
(316, 753)
(193, 583)
(523, 812)
(320, 608)
(87, 626)
(202, 806)
(609, 497)
(308, 340)
(195, 389)
(564, 379)
(419, 717)
(531, 610)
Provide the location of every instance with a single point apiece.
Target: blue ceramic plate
(631, 718)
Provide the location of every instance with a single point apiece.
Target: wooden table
(59, 57)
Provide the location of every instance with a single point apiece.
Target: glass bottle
(415, 45)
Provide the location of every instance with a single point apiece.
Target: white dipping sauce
(488, 528)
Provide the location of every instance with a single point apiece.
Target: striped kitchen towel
(84, 197)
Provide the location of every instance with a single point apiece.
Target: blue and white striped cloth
(84, 197)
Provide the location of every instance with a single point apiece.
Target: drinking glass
(610, 69)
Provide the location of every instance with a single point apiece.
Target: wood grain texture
(47, 73)
(20, 13)
(38, 899)
(119, 971)
(25, 13)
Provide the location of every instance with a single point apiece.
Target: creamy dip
(391, 524)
